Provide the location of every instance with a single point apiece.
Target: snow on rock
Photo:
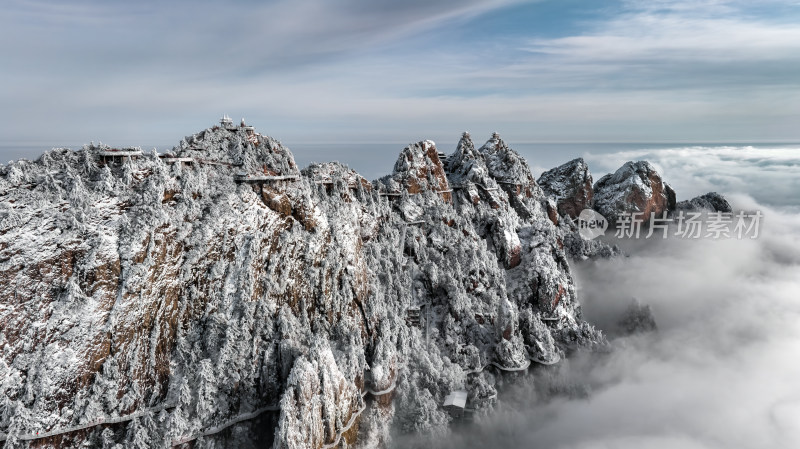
(175, 297)
(570, 185)
(419, 169)
(636, 187)
(319, 400)
(710, 202)
(514, 175)
(569, 191)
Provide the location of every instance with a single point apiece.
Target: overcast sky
(150, 72)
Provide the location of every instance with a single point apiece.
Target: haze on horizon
(386, 71)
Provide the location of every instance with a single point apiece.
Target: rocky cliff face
(221, 297)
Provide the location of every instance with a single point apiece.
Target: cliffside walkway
(399, 194)
(388, 390)
(483, 187)
(256, 413)
(193, 160)
(219, 428)
(244, 416)
(547, 362)
(346, 428)
(524, 366)
(96, 422)
(265, 178)
(247, 416)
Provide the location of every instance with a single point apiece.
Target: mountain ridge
(220, 279)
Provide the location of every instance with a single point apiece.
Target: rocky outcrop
(636, 187)
(158, 301)
(514, 176)
(579, 248)
(570, 186)
(710, 202)
(637, 318)
(306, 420)
(473, 180)
(418, 169)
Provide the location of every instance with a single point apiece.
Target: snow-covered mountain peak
(239, 146)
(161, 299)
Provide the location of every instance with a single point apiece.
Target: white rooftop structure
(457, 398)
(226, 121)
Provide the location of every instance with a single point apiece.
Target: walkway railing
(93, 423)
(246, 416)
(219, 428)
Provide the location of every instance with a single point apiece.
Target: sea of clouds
(723, 369)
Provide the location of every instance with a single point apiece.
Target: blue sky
(388, 71)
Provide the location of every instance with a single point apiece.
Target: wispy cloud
(231, 38)
(669, 44)
(363, 70)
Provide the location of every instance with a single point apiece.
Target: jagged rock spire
(467, 163)
(419, 168)
(504, 163)
(465, 143)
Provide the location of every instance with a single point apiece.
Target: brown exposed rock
(570, 185)
(514, 256)
(351, 435)
(169, 195)
(303, 213)
(508, 245)
(475, 199)
(277, 201)
(558, 297)
(552, 212)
